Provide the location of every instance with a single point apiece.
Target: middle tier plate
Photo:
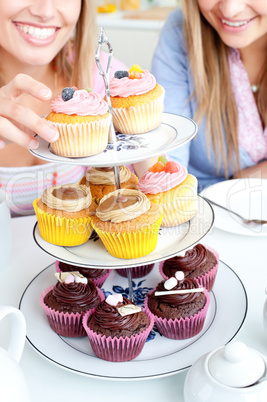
(171, 241)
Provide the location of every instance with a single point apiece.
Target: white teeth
(235, 24)
(39, 33)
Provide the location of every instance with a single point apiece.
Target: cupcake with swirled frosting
(102, 181)
(137, 101)
(174, 189)
(179, 306)
(66, 303)
(64, 214)
(83, 120)
(199, 263)
(117, 329)
(127, 223)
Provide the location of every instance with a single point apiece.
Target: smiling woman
(211, 60)
(44, 47)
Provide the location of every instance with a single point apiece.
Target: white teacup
(5, 232)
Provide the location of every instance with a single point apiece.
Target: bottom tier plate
(160, 356)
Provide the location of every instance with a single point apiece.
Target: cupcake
(117, 329)
(171, 187)
(179, 307)
(127, 223)
(66, 303)
(102, 181)
(137, 101)
(98, 276)
(83, 122)
(64, 214)
(137, 272)
(199, 263)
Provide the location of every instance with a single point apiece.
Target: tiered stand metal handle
(112, 135)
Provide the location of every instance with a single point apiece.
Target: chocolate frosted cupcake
(199, 263)
(64, 214)
(137, 272)
(66, 303)
(127, 223)
(102, 181)
(117, 329)
(98, 276)
(179, 307)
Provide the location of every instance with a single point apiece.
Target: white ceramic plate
(160, 356)
(247, 197)
(173, 132)
(171, 241)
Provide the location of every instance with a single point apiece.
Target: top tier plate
(173, 132)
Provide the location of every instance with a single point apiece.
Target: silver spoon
(246, 221)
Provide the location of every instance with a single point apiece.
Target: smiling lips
(36, 32)
(235, 24)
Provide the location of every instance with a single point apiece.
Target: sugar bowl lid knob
(236, 365)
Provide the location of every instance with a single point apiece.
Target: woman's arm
(257, 171)
(18, 123)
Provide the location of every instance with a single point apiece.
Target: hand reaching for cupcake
(19, 123)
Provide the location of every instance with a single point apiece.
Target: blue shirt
(171, 68)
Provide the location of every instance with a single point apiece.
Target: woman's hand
(257, 171)
(18, 123)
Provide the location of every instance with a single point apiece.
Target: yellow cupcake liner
(63, 231)
(81, 140)
(132, 244)
(178, 211)
(139, 119)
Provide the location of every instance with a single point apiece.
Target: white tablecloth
(246, 255)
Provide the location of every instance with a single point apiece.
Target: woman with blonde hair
(211, 60)
(45, 46)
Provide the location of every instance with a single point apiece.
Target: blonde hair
(208, 57)
(83, 45)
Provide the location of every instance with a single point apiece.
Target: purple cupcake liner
(182, 328)
(117, 349)
(137, 272)
(206, 280)
(65, 324)
(97, 281)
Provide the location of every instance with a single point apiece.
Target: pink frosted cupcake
(98, 276)
(137, 101)
(199, 263)
(117, 329)
(137, 272)
(66, 303)
(174, 189)
(83, 122)
(179, 307)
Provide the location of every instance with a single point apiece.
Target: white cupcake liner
(139, 119)
(80, 140)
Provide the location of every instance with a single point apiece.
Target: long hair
(83, 46)
(208, 57)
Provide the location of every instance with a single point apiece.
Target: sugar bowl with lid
(233, 373)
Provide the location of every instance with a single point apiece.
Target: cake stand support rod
(130, 283)
(112, 135)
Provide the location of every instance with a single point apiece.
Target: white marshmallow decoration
(179, 275)
(170, 283)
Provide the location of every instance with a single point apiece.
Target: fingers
(23, 121)
(23, 83)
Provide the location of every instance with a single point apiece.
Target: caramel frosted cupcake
(64, 214)
(127, 223)
(102, 181)
(83, 122)
(66, 303)
(199, 263)
(137, 101)
(117, 329)
(179, 306)
(98, 276)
